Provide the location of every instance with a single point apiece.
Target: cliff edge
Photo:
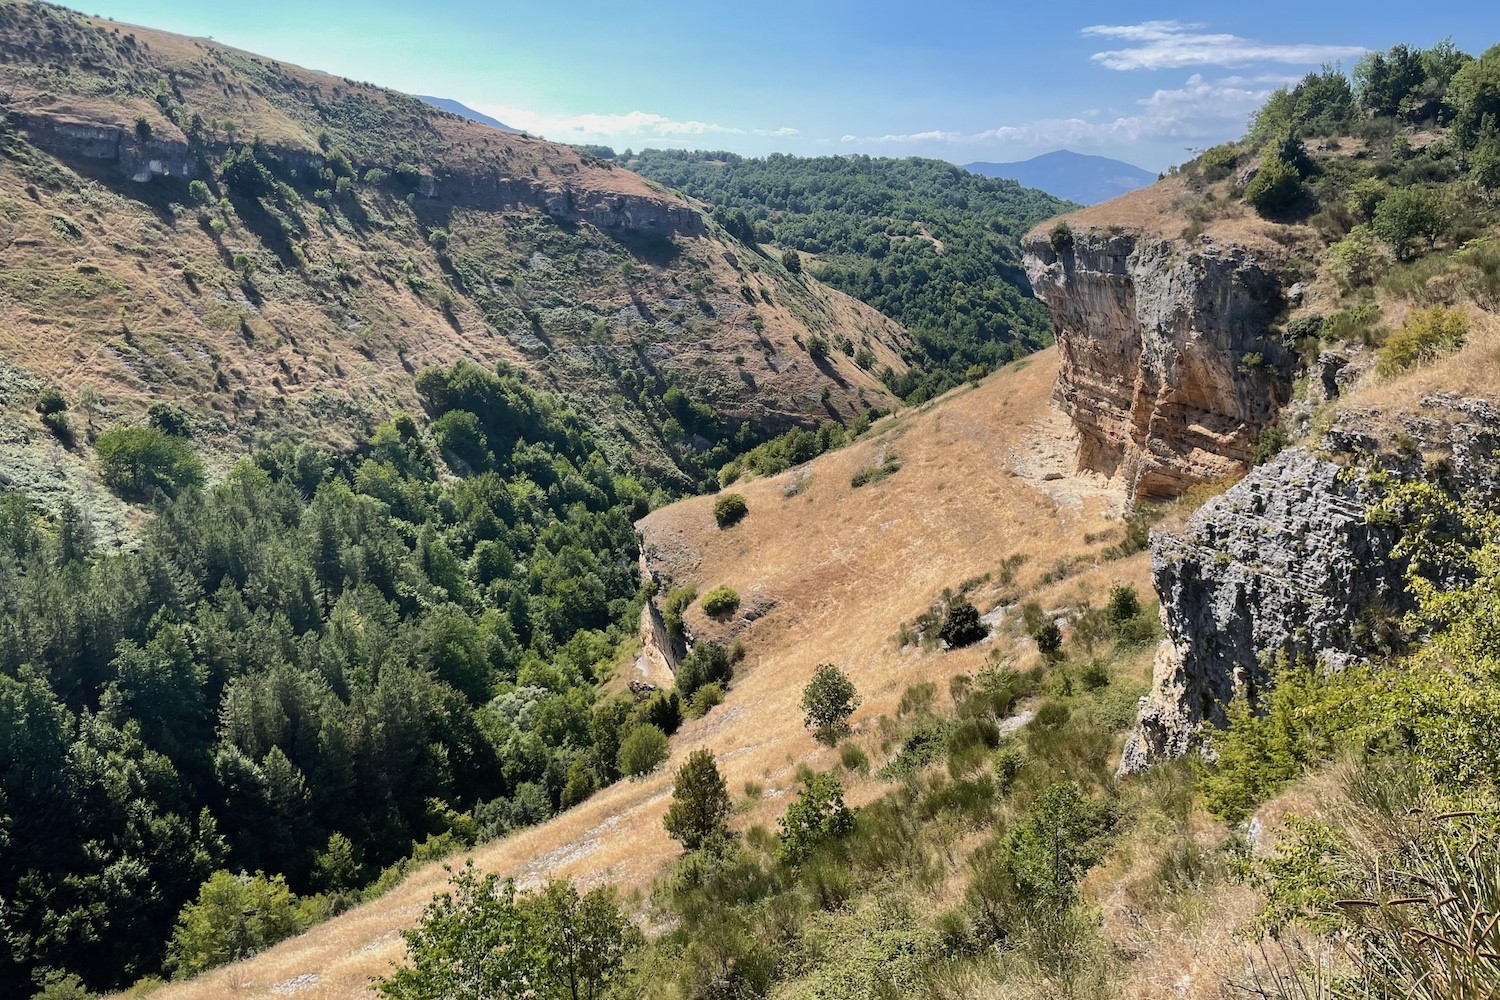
(1171, 366)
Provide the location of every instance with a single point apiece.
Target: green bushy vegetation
(827, 703)
(722, 600)
(1423, 337)
(304, 670)
(873, 223)
(729, 510)
(963, 874)
(1404, 872)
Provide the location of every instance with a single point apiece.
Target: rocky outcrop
(142, 160)
(1170, 368)
(139, 159)
(1286, 562)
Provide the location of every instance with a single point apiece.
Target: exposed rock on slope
(375, 236)
(1286, 562)
(1170, 368)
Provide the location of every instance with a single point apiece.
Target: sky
(994, 81)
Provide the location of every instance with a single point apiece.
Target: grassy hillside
(929, 244)
(981, 501)
(279, 251)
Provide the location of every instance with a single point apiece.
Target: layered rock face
(1169, 368)
(142, 160)
(1286, 562)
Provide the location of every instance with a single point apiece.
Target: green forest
(308, 671)
(933, 246)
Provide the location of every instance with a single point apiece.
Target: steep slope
(921, 240)
(279, 250)
(1074, 176)
(831, 572)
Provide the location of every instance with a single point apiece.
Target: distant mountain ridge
(1077, 177)
(464, 111)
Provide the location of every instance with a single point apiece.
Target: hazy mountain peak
(1078, 177)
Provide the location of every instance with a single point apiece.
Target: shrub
(643, 751)
(678, 599)
(1048, 639)
(962, 626)
(1355, 323)
(233, 917)
(1422, 338)
(169, 419)
(853, 758)
(1355, 257)
(708, 663)
(792, 261)
(199, 192)
(828, 701)
(707, 698)
(663, 710)
(1406, 219)
(722, 600)
(700, 802)
(819, 815)
(1275, 187)
(51, 400)
(1218, 162)
(729, 510)
(1123, 605)
(1061, 238)
(889, 466)
(60, 426)
(137, 461)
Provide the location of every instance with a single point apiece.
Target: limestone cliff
(1287, 562)
(1170, 365)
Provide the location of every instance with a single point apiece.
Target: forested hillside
(309, 671)
(927, 243)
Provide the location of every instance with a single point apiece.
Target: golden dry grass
(838, 569)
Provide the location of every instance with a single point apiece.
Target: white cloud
(1200, 109)
(1175, 44)
(631, 125)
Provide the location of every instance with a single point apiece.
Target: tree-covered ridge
(927, 243)
(305, 670)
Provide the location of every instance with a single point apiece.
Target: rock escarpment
(142, 159)
(1286, 562)
(1170, 367)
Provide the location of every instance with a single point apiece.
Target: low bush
(729, 510)
(137, 461)
(721, 600)
(1422, 338)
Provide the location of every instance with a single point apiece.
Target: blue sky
(960, 81)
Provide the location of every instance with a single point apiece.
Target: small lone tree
(818, 815)
(700, 802)
(962, 627)
(644, 750)
(792, 261)
(829, 699)
(1049, 639)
